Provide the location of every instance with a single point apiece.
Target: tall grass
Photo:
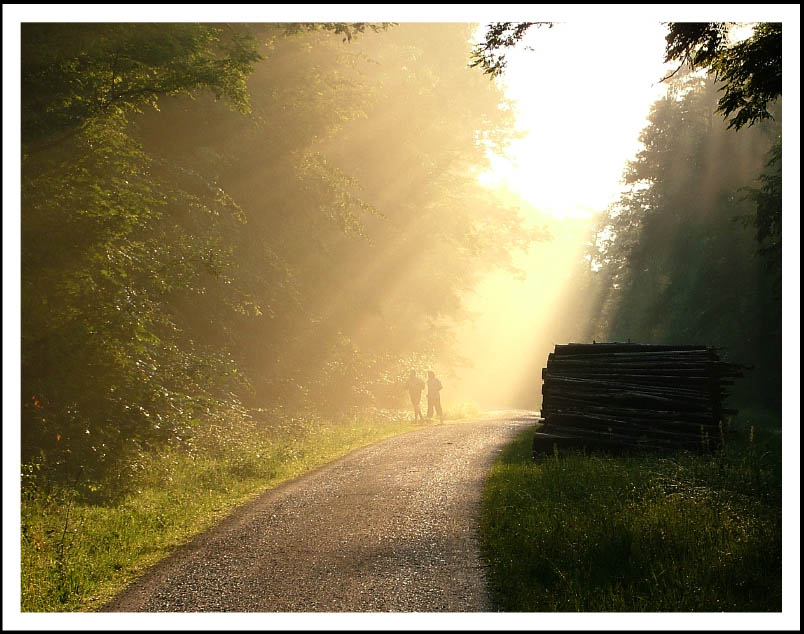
(571, 532)
(76, 553)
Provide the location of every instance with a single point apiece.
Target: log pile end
(633, 396)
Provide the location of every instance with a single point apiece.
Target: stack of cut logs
(624, 395)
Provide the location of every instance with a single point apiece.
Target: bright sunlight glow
(582, 95)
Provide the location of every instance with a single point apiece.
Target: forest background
(303, 231)
(293, 239)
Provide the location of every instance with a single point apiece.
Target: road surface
(391, 527)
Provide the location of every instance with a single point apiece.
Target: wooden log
(687, 440)
(703, 367)
(710, 364)
(681, 379)
(641, 416)
(590, 421)
(601, 348)
(558, 385)
(632, 400)
(614, 392)
(691, 417)
(644, 376)
(679, 431)
(635, 366)
(700, 391)
(617, 358)
(629, 409)
(585, 401)
(573, 385)
(632, 441)
(596, 363)
(678, 420)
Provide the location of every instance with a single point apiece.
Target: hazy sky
(583, 90)
(583, 94)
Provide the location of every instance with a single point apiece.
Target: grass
(571, 532)
(75, 555)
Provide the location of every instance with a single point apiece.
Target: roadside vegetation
(80, 546)
(233, 237)
(220, 265)
(680, 532)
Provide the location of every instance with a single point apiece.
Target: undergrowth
(81, 543)
(593, 532)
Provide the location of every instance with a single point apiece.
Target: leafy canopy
(74, 72)
(751, 70)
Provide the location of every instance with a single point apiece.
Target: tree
(674, 265)
(107, 238)
(184, 264)
(499, 35)
(767, 221)
(74, 73)
(751, 70)
(751, 73)
(750, 76)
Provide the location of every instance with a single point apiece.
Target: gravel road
(389, 528)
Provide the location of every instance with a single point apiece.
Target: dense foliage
(750, 70)
(691, 253)
(225, 219)
(107, 240)
(681, 257)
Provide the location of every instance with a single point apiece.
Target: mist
(513, 326)
(272, 272)
(329, 212)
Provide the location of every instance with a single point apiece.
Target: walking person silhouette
(434, 396)
(415, 386)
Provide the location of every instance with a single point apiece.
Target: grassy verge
(598, 533)
(76, 555)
